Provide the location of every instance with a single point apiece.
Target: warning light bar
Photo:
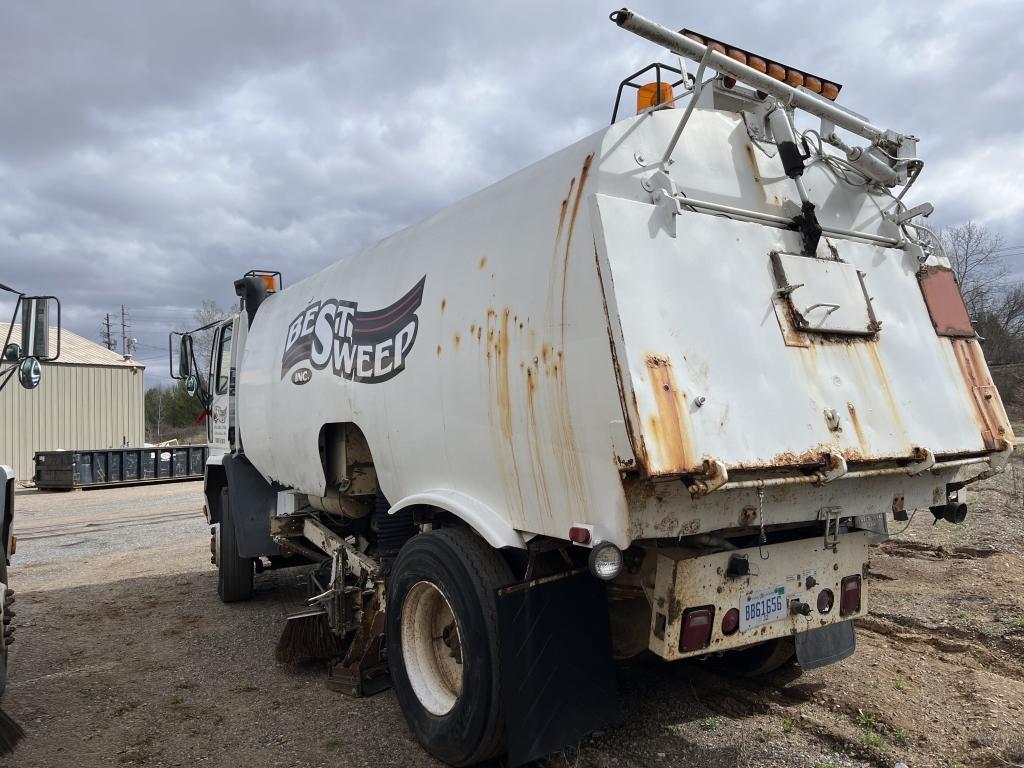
(782, 73)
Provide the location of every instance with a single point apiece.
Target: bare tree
(202, 341)
(976, 255)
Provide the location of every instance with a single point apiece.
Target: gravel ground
(125, 656)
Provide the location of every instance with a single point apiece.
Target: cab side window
(224, 361)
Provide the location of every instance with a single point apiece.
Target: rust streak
(667, 427)
(855, 420)
(483, 262)
(457, 340)
(444, 303)
(989, 413)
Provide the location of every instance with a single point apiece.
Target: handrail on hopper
(790, 96)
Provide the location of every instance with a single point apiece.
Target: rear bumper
(684, 582)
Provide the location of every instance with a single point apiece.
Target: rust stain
(989, 413)
(457, 339)
(503, 391)
(753, 162)
(483, 262)
(472, 329)
(855, 420)
(439, 350)
(667, 427)
(568, 238)
(444, 303)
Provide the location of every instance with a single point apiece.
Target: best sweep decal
(359, 346)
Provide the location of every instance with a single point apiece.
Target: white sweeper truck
(658, 392)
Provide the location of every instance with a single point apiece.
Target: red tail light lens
(826, 599)
(579, 535)
(731, 621)
(849, 597)
(697, 625)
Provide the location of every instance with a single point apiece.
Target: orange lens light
(756, 62)
(777, 71)
(794, 78)
(830, 91)
(738, 55)
(647, 96)
(812, 84)
(270, 281)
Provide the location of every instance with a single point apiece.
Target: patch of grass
(709, 724)
(987, 631)
(1014, 621)
(873, 740)
(901, 737)
(867, 720)
(334, 743)
(176, 700)
(901, 684)
(829, 764)
(788, 726)
(876, 683)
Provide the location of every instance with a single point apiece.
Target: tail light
(826, 599)
(697, 623)
(731, 621)
(849, 596)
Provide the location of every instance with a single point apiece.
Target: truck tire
(3, 653)
(757, 660)
(442, 640)
(234, 573)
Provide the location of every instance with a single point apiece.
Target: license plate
(763, 608)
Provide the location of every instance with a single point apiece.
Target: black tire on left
(467, 572)
(234, 573)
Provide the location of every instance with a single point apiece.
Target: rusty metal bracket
(830, 516)
(925, 461)
(835, 467)
(363, 671)
(714, 477)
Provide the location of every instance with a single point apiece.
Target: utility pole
(105, 335)
(126, 340)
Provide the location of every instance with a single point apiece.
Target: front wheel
(442, 639)
(234, 573)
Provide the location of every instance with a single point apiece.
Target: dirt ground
(125, 656)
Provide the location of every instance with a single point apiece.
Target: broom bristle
(306, 637)
(10, 733)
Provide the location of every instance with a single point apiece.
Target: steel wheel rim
(432, 648)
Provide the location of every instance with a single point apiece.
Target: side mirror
(185, 357)
(35, 327)
(192, 386)
(30, 373)
(12, 353)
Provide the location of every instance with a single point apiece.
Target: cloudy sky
(152, 152)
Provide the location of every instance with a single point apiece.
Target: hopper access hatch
(824, 295)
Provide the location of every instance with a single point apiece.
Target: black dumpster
(64, 470)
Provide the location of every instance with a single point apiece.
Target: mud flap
(825, 645)
(556, 664)
(253, 503)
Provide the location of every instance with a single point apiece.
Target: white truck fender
(494, 528)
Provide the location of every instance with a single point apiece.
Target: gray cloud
(149, 153)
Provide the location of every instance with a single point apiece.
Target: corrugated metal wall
(75, 406)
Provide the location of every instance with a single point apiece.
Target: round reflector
(825, 600)
(605, 561)
(731, 621)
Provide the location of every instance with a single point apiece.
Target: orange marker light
(756, 62)
(777, 71)
(794, 78)
(830, 91)
(812, 84)
(647, 96)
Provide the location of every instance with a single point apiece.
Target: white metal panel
(825, 295)
(712, 376)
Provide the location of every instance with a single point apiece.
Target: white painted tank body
(552, 369)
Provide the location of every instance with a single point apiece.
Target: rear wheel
(442, 638)
(234, 573)
(759, 659)
(8, 617)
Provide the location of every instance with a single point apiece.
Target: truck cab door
(220, 423)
